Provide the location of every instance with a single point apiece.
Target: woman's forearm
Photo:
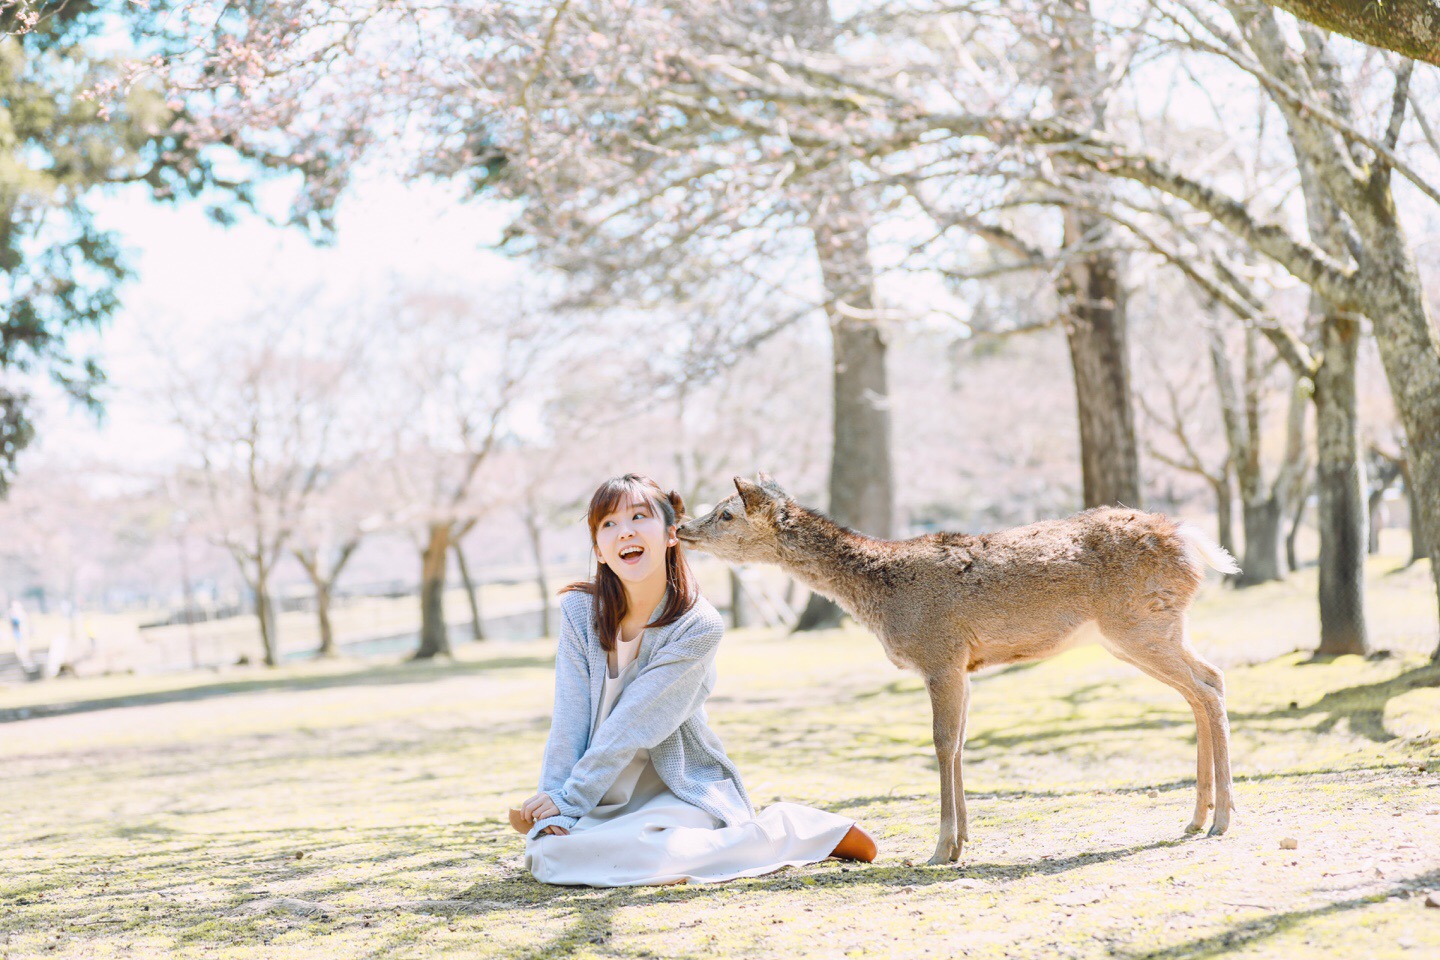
(660, 698)
(570, 721)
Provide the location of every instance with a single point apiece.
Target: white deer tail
(1203, 551)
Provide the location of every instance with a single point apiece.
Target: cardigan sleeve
(662, 696)
(570, 726)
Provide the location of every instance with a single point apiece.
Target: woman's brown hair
(610, 601)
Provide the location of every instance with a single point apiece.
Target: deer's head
(742, 528)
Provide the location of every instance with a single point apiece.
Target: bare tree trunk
(739, 611)
(542, 580)
(861, 486)
(861, 481)
(324, 584)
(1095, 328)
(1411, 28)
(1387, 286)
(434, 637)
(1297, 517)
(265, 614)
(1410, 354)
(1291, 483)
(1384, 283)
(1385, 471)
(1340, 478)
(1225, 511)
(1412, 499)
(327, 632)
(1421, 416)
(1373, 521)
(477, 629)
(1092, 287)
(1261, 520)
(310, 560)
(1260, 509)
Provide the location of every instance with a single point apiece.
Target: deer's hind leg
(1162, 650)
(949, 705)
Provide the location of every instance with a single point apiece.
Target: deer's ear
(756, 500)
(773, 488)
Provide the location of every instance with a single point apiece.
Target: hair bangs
(619, 492)
(611, 602)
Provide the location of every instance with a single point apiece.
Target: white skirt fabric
(641, 833)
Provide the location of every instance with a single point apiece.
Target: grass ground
(353, 810)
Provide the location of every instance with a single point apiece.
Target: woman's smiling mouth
(631, 554)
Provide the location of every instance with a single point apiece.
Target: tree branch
(1408, 27)
(1332, 279)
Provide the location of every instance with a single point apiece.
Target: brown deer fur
(947, 604)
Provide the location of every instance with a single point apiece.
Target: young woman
(635, 788)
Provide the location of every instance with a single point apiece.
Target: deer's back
(1031, 587)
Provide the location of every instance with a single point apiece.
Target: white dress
(641, 833)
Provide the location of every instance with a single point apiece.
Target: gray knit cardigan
(661, 709)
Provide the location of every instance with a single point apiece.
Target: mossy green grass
(356, 809)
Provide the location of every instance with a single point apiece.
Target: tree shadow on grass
(1085, 733)
(1362, 705)
(389, 675)
(521, 892)
(1046, 867)
(840, 805)
(843, 805)
(910, 685)
(590, 912)
(1251, 932)
(1057, 728)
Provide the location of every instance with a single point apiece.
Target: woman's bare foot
(856, 845)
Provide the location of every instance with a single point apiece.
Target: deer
(948, 604)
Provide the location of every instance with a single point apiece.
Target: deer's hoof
(1195, 827)
(1218, 828)
(946, 851)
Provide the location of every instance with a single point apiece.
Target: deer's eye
(726, 515)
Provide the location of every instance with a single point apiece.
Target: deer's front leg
(949, 704)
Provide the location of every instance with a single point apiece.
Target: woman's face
(632, 541)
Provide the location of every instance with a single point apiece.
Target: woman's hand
(556, 831)
(539, 807)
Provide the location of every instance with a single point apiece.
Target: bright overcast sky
(194, 276)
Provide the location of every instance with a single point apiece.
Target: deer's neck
(843, 565)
